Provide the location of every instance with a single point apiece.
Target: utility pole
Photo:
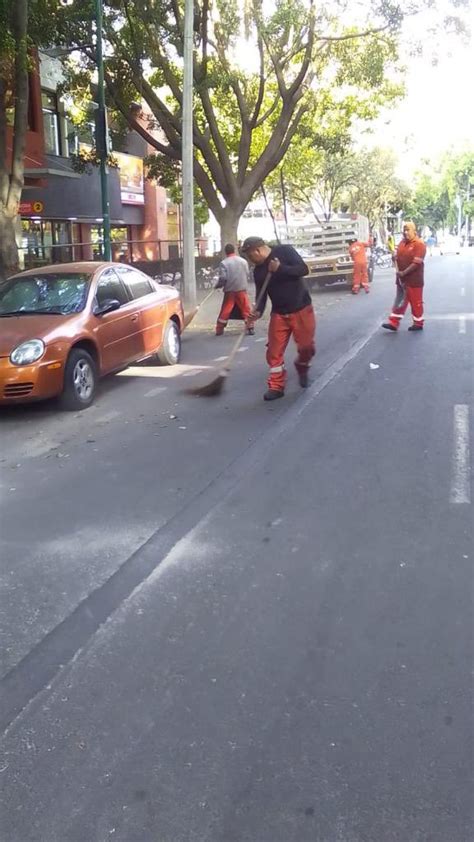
(189, 266)
(101, 140)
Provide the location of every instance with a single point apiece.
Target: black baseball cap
(252, 243)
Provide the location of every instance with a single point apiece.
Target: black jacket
(287, 290)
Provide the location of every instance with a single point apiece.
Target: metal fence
(167, 267)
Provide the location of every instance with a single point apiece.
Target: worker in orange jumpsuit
(359, 259)
(409, 263)
(292, 310)
(233, 279)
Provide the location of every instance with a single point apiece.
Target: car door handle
(135, 317)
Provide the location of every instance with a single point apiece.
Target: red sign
(30, 208)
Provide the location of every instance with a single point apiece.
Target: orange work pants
(302, 326)
(360, 278)
(231, 299)
(405, 296)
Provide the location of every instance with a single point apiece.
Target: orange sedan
(64, 326)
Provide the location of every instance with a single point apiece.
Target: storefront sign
(131, 179)
(30, 208)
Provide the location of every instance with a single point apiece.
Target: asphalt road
(227, 620)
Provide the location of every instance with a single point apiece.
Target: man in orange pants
(359, 259)
(292, 310)
(233, 277)
(409, 278)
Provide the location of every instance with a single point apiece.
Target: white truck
(325, 247)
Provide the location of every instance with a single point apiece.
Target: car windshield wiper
(54, 311)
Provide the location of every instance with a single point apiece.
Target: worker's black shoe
(389, 326)
(250, 331)
(415, 327)
(303, 377)
(273, 395)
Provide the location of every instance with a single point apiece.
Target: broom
(190, 316)
(214, 388)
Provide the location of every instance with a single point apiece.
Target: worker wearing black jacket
(292, 310)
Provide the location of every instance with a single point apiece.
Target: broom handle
(240, 339)
(207, 297)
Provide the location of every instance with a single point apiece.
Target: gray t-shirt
(234, 274)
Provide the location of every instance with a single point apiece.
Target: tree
(376, 189)
(23, 24)
(13, 100)
(245, 120)
(430, 204)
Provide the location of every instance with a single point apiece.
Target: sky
(437, 112)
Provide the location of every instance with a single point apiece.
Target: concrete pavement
(288, 657)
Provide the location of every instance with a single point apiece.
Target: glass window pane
(110, 287)
(138, 284)
(60, 293)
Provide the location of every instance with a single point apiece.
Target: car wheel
(80, 380)
(170, 350)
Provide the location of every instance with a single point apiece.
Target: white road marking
(154, 392)
(462, 324)
(451, 317)
(461, 468)
(219, 359)
(109, 416)
(463, 290)
(244, 348)
(261, 339)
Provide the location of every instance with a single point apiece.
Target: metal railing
(167, 266)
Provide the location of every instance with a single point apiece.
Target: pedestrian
(360, 275)
(292, 310)
(233, 279)
(409, 264)
(391, 244)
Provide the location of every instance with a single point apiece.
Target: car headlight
(28, 352)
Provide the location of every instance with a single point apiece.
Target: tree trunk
(229, 223)
(8, 246)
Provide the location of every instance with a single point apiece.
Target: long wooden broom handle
(240, 339)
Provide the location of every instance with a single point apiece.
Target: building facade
(60, 212)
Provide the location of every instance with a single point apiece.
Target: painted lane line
(219, 359)
(154, 392)
(261, 339)
(107, 417)
(451, 317)
(462, 324)
(244, 348)
(461, 468)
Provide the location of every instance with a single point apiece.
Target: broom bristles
(209, 390)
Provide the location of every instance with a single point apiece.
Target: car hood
(17, 329)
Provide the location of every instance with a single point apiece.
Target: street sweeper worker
(233, 279)
(409, 280)
(360, 277)
(292, 311)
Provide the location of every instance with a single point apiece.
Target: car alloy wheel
(83, 379)
(170, 350)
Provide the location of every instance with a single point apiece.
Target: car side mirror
(107, 306)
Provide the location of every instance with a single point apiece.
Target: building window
(52, 138)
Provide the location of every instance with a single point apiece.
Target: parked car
(450, 245)
(64, 326)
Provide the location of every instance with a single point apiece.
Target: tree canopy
(259, 75)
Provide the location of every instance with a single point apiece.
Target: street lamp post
(189, 266)
(101, 138)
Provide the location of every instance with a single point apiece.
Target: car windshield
(58, 293)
